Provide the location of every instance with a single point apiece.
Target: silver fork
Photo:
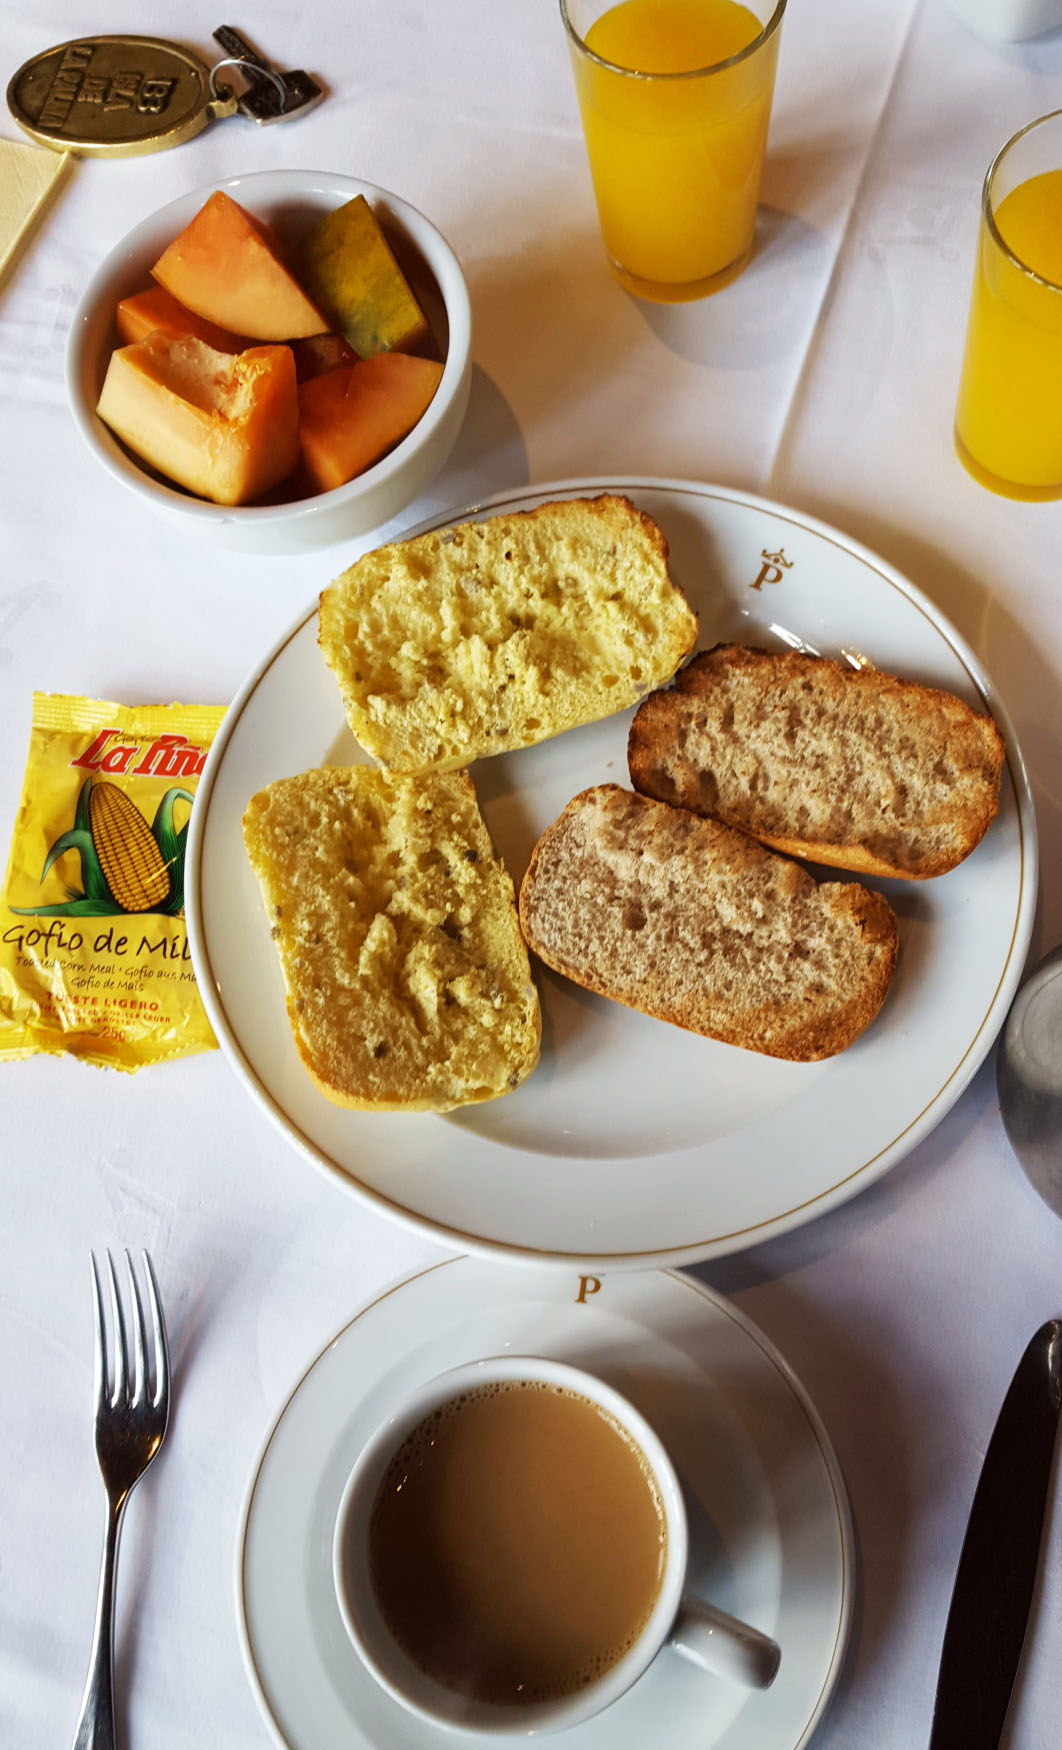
(131, 1421)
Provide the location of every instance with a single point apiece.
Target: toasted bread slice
(849, 767)
(698, 924)
(408, 983)
(495, 635)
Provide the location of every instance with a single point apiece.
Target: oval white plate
(771, 1535)
(635, 1143)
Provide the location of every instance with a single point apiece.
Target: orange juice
(676, 140)
(1008, 425)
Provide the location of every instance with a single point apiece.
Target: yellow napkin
(29, 175)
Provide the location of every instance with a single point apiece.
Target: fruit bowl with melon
(280, 361)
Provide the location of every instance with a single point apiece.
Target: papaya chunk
(226, 266)
(140, 315)
(350, 417)
(226, 426)
(319, 353)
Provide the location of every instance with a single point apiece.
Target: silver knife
(994, 1585)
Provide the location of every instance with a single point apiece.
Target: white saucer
(771, 1535)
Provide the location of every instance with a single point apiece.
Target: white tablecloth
(824, 378)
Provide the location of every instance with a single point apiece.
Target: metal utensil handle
(995, 1580)
(95, 1726)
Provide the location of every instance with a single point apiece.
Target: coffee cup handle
(724, 1646)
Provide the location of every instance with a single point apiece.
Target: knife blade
(993, 1591)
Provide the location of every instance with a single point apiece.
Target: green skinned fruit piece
(346, 265)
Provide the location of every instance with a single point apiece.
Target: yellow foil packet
(94, 956)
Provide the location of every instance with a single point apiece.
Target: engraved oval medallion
(114, 96)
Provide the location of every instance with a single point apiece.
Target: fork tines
(116, 1388)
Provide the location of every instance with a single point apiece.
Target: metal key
(269, 95)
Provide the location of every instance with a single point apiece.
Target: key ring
(221, 93)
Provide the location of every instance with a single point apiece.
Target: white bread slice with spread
(847, 767)
(695, 923)
(494, 635)
(408, 983)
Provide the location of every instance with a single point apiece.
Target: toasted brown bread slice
(849, 767)
(408, 983)
(495, 635)
(696, 923)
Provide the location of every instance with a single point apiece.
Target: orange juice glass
(1008, 423)
(675, 99)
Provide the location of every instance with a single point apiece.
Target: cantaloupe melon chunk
(348, 418)
(224, 425)
(347, 265)
(226, 266)
(140, 315)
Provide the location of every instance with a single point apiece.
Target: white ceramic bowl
(290, 200)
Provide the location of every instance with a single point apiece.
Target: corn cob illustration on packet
(94, 956)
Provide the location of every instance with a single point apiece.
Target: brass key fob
(117, 96)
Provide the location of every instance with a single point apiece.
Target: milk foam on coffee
(517, 1543)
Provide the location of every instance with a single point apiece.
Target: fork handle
(95, 1726)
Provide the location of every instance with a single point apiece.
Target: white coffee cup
(678, 1622)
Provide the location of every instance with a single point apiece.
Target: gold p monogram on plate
(772, 569)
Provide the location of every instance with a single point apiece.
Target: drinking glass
(1008, 427)
(676, 146)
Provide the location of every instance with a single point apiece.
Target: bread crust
(695, 923)
(851, 768)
